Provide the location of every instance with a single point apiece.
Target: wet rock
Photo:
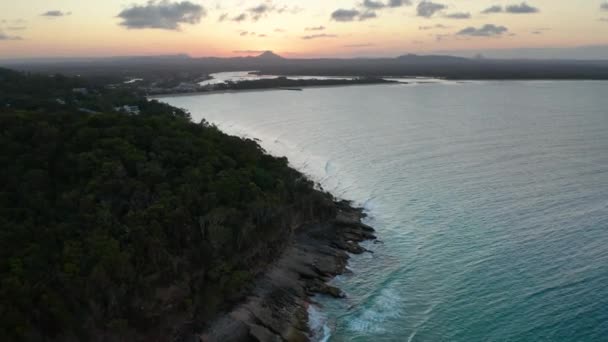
(276, 310)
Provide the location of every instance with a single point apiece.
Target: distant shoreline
(236, 91)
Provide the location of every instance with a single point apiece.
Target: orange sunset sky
(294, 28)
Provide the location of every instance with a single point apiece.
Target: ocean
(490, 199)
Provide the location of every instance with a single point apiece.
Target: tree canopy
(116, 225)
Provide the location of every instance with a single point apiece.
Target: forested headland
(121, 226)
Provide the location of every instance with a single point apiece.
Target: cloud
(368, 9)
(492, 9)
(438, 26)
(264, 9)
(371, 4)
(522, 8)
(279, 30)
(345, 15)
(488, 30)
(261, 10)
(315, 28)
(399, 3)
(368, 15)
(604, 6)
(162, 14)
(317, 36)
(428, 8)
(458, 15)
(15, 28)
(604, 19)
(377, 5)
(4, 36)
(222, 17)
(55, 13)
(240, 17)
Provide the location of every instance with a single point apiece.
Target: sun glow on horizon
(343, 28)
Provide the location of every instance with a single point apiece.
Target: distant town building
(128, 109)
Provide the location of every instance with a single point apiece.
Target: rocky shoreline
(276, 309)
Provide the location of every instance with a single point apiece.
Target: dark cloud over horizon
(399, 3)
(162, 14)
(488, 30)
(345, 14)
(371, 4)
(368, 15)
(55, 13)
(263, 10)
(522, 8)
(378, 4)
(240, 17)
(458, 15)
(427, 9)
(260, 10)
(493, 9)
(368, 9)
(317, 36)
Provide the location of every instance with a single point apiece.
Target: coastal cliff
(276, 309)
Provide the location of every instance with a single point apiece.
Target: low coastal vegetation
(284, 82)
(118, 226)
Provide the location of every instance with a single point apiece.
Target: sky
(301, 28)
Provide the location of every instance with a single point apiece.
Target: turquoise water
(491, 199)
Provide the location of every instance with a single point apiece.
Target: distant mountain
(269, 56)
(268, 62)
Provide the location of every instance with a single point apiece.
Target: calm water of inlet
(491, 199)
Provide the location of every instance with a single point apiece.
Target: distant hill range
(270, 63)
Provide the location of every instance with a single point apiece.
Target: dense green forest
(117, 226)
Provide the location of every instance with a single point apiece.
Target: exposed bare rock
(276, 308)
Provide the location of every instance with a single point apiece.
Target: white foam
(319, 169)
(381, 309)
(317, 323)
